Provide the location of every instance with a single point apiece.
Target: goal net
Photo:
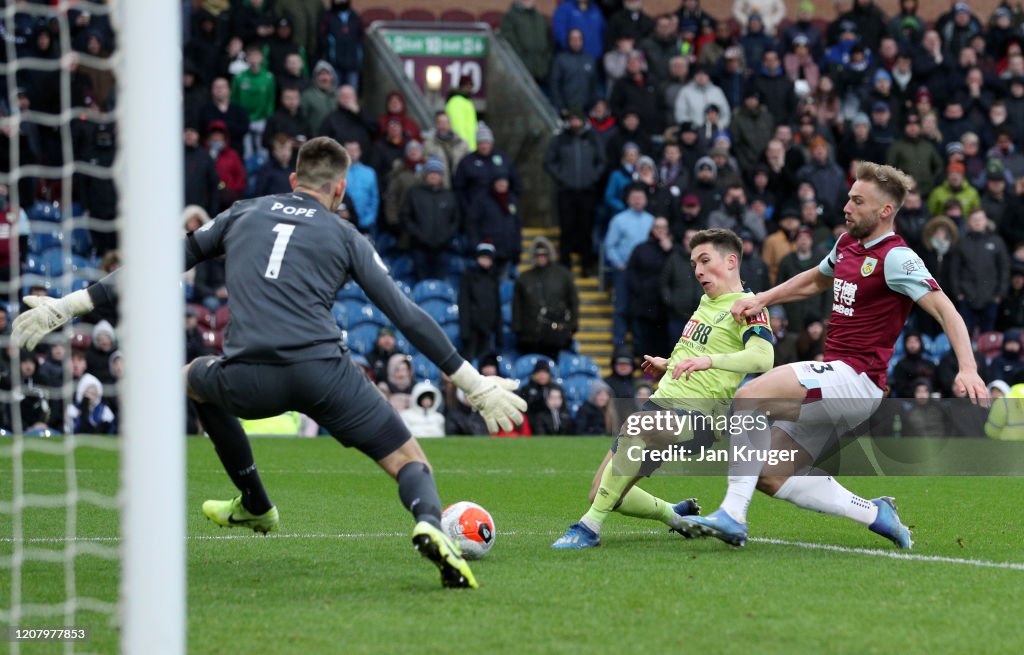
(92, 524)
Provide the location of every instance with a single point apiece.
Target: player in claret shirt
(875, 279)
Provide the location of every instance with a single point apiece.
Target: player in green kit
(709, 361)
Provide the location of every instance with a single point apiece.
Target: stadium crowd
(672, 123)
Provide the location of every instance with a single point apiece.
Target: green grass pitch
(341, 576)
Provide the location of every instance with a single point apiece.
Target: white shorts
(838, 400)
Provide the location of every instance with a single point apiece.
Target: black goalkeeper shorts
(333, 392)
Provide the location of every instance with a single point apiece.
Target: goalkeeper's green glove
(46, 315)
(494, 397)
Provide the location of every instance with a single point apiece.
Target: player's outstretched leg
(252, 509)
(618, 493)
(823, 493)
(419, 494)
(778, 393)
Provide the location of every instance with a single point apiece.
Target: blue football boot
(577, 537)
(888, 523)
(716, 524)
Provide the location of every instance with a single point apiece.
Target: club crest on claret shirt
(868, 267)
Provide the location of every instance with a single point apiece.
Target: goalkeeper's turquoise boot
(716, 524)
(232, 514)
(445, 554)
(888, 523)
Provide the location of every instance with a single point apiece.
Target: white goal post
(150, 174)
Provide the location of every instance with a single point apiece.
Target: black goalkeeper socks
(418, 492)
(235, 454)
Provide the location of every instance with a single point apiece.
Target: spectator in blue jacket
(574, 78)
(627, 230)
(620, 178)
(579, 15)
(362, 189)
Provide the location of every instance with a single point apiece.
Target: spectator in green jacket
(529, 34)
(953, 187)
(254, 91)
(318, 100)
(915, 156)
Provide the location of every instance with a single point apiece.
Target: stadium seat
(424, 369)
(81, 242)
(524, 365)
(457, 266)
(898, 347)
(492, 18)
(203, 315)
(452, 330)
(507, 290)
(926, 344)
(940, 346)
(577, 387)
(990, 344)
(401, 267)
(506, 365)
(361, 339)
(508, 338)
(340, 313)
(457, 16)
(45, 211)
(352, 291)
(427, 289)
(213, 339)
(441, 311)
(506, 313)
(221, 317)
(376, 13)
(53, 262)
(386, 244)
(30, 280)
(417, 15)
(402, 344)
(354, 312)
(43, 236)
(79, 283)
(364, 312)
(572, 364)
(34, 264)
(404, 288)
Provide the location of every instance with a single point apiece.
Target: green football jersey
(711, 330)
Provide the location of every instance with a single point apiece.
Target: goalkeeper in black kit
(286, 257)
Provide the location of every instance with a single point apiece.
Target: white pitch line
(1017, 566)
(913, 557)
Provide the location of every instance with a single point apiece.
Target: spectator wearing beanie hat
(318, 100)
(98, 355)
(479, 168)
(495, 218)
(480, 305)
(405, 173)
(430, 216)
